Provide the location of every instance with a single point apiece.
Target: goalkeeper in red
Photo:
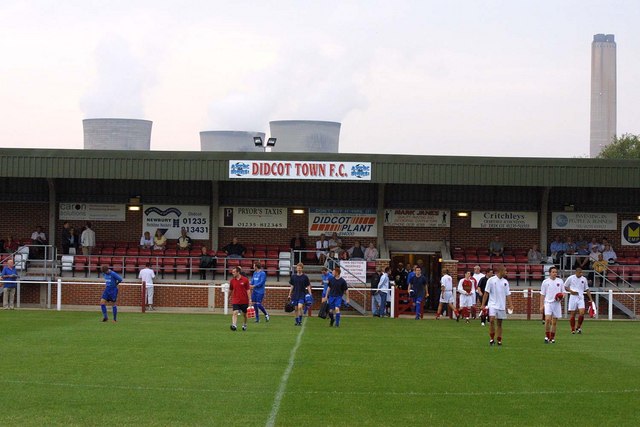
(576, 285)
(551, 295)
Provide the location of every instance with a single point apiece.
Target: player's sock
(337, 319)
(304, 310)
(580, 320)
(115, 313)
(262, 309)
(255, 308)
(473, 311)
(492, 335)
(103, 307)
(418, 309)
(499, 339)
(552, 335)
(547, 334)
(331, 315)
(572, 322)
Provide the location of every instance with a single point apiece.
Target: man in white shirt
(88, 240)
(576, 285)
(147, 275)
(383, 291)
(497, 299)
(477, 276)
(551, 295)
(446, 295)
(467, 290)
(322, 247)
(609, 254)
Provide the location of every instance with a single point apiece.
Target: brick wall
(20, 219)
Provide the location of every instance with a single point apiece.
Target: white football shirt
(577, 284)
(447, 282)
(498, 290)
(147, 275)
(550, 288)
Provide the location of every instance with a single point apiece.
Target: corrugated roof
(397, 169)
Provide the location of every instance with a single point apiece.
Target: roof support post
(543, 220)
(215, 214)
(52, 211)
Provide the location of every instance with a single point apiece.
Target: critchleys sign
(345, 222)
(288, 169)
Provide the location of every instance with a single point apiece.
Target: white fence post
(49, 292)
(18, 294)
(59, 295)
(393, 300)
(610, 304)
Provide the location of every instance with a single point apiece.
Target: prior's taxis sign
(345, 222)
(296, 170)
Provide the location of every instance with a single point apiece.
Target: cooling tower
(603, 92)
(229, 140)
(305, 136)
(117, 134)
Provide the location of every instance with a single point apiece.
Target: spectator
(88, 240)
(604, 243)
(322, 247)
(9, 276)
(570, 251)
(557, 249)
(496, 247)
(65, 237)
(74, 241)
(375, 297)
(335, 244)
(580, 240)
(534, 256)
(595, 254)
(234, 249)
(184, 241)
(10, 245)
(608, 254)
(159, 241)
(371, 253)
(383, 292)
(356, 252)
(594, 243)
(297, 245)
(147, 275)
(38, 239)
(400, 276)
(582, 256)
(146, 242)
(206, 262)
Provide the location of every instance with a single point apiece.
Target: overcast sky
(487, 78)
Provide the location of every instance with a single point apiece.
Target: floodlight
(271, 142)
(258, 141)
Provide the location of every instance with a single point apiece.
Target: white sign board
(504, 219)
(584, 221)
(293, 169)
(354, 272)
(171, 218)
(253, 217)
(417, 217)
(630, 233)
(345, 222)
(92, 212)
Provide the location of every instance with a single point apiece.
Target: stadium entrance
(431, 268)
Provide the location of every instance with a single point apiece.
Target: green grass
(67, 368)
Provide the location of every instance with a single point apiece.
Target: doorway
(431, 268)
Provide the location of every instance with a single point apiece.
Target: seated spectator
(534, 256)
(356, 252)
(322, 248)
(604, 243)
(496, 247)
(184, 241)
(600, 265)
(159, 241)
(582, 256)
(371, 253)
(206, 263)
(74, 241)
(234, 249)
(594, 243)
(570, 250)
(595, 253)
(298, 244)
(557, 249)
(38, 238)
(10, 245)
(335, 244)
(608, 254)
(580, 240)
(146, 242)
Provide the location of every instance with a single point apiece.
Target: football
(467, 285)
(559, 296)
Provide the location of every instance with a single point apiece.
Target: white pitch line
(285, 378)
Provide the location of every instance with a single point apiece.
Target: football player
(576, 285)
(551, 294)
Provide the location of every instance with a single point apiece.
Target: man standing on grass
(446, 295)
(337, 289)
(9, 277)
(577, 285)
(497, 298)
(300, 286)
(240, 297)
(418, 290)
(482, 285)
(147, 275)
(383, 292)
(467, 291)
(550, 302)
(258, 281)
(110, 294)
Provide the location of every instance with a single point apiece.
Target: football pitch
(68, 368)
